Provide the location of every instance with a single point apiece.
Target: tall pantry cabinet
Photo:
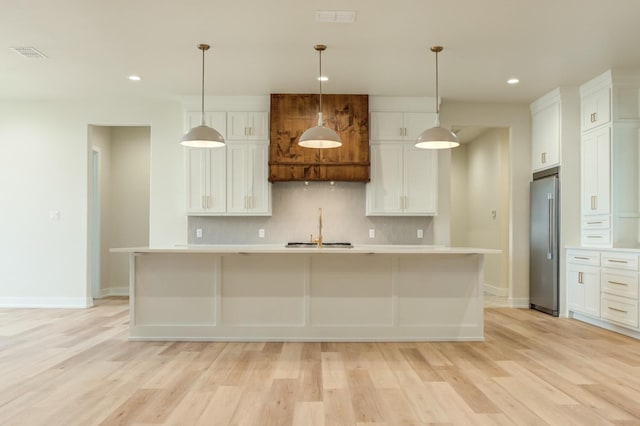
(610, 125)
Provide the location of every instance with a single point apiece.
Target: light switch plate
(199, 233)
(260, 233)
(372, 233)
(420, 233)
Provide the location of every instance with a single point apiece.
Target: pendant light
(437, 137)
(202, 136)
(320, 136)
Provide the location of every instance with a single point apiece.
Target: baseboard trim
(113, 291)
(46, 302)
(496, 291)
(519, 302)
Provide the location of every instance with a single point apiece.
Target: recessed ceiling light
(135, 78)
(513, 80)
(323, 78)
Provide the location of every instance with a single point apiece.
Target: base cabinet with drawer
(604, 285)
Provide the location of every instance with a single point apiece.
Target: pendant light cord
(437, 103)
(320, 76)
(202, 104)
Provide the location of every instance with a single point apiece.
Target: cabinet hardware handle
(617, 261)
(617, 283)
(580, 278)
(593, 202)
(581, 257)
(594, 223)
(594, 236)
(618, 310)
(543, 157)
(593, 117)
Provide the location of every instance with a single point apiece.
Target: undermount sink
(327, 245)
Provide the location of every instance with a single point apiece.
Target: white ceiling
(266, 46)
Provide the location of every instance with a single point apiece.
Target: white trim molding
(46, 302)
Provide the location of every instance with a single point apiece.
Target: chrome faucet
(318, 240)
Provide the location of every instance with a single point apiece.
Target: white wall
(44, 158)
(479, 185)
(517, 118)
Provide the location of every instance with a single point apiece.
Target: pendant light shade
(437, 137)
(320, 136)
(202, 136)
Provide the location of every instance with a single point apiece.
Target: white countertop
(281, 248)
(619, 249)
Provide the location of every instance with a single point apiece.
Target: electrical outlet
(260, 233)
(199, 233)
(420, 233)
(372, 233)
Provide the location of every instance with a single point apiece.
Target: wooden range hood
(292, 114)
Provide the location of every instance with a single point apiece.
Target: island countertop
(281, 249)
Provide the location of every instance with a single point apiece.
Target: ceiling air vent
(336, 16)
(29, 52)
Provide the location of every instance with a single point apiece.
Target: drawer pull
(594, 223)
(581, 257)
(594, 236)
(618, 310)
(580, 278)
(617, 261)
(617, 283)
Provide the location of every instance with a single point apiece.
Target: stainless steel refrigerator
(544, 240)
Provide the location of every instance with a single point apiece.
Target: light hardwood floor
(76, 367)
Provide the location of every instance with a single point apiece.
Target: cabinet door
(583, 284)
(216, 120)
(248, 125)
(387, 126)
(596, 172)
(384, 191)
(545, 137)
(596, 109)
(420, 179)
(416, 123)
(248, 191)
(259, 189)
(205, 181)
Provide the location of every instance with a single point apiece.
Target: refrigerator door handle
(550, 230)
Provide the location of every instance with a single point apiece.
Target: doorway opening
(119, 194)
(480, 202)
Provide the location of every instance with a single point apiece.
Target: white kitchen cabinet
(604, 285)
(545, 132)
(213, 119)
(403, 180)
(248, 125)
(248, 191)
(583, 283)
(610, 156)
(399, 126)
(596, 108)
(206, 173)
(596, 166)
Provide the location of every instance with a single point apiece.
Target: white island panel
(182, 289)
(353, 290)
(263, 291)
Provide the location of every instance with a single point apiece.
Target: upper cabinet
(214, 119)
(400, 126)
(596, 108)
(248, 191)
(545, 132)
(404, 180)
(229, 180)
(554, 128)
(248, 125)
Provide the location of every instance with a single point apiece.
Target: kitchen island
(271, 292)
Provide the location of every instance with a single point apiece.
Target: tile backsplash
(295, 217)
